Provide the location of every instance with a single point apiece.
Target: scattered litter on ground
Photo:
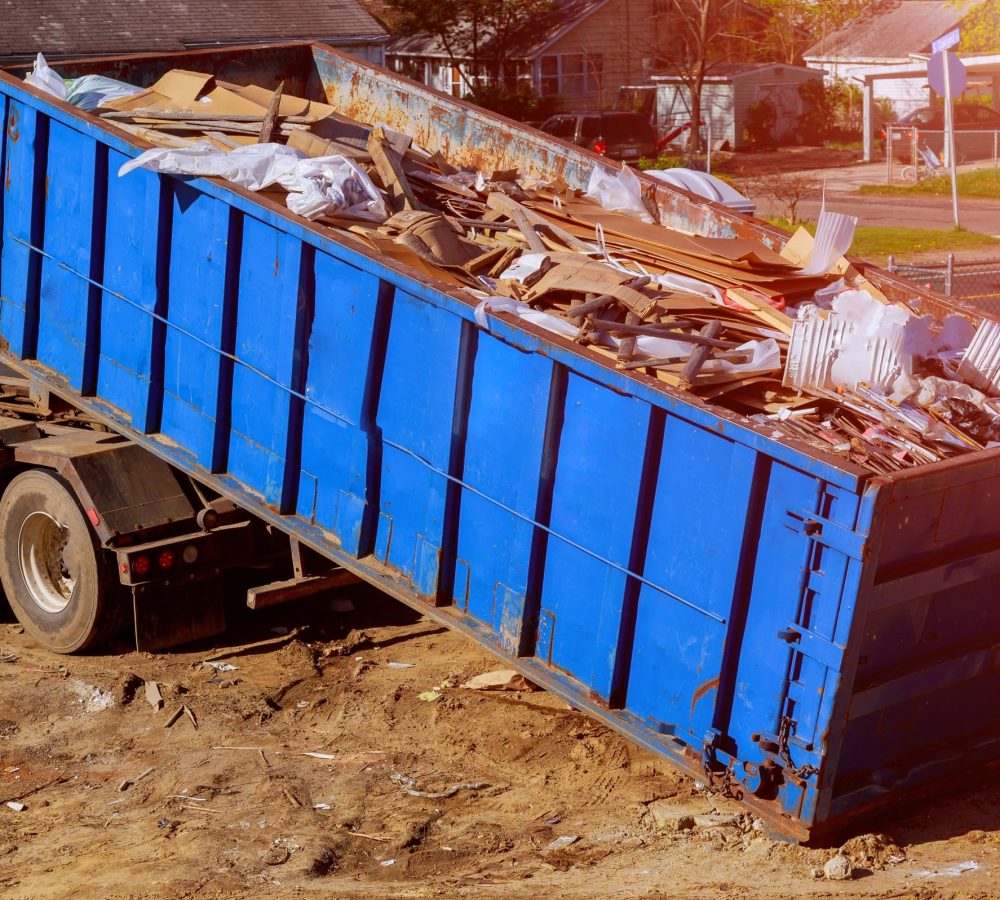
(408, 787)
(129, 782)
(219, 666)
(92, 697)
(17, 807)
(388, 862)
(400, 665)
(316, 755)
(153, 696)
(501, 680)
(949, 871)
(322, 806)
(560, 843)
(429, 696)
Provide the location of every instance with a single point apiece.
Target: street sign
(946, 41)
(946, 75)
(936, 73)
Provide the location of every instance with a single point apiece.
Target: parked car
(929, 123)
(619, 135)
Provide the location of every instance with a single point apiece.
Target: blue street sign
(946, 41)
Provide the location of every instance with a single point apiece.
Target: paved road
(925, 212)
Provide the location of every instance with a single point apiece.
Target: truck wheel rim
(41, 544)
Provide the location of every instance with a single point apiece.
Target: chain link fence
(975, 281)
(918, 152)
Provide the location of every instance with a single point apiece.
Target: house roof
(892, 30)
(540, 33)
(60, 28)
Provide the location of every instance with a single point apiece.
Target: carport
(983, 71)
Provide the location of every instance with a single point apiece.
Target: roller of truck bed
(812, 631)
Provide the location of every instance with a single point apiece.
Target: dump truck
(197, 379)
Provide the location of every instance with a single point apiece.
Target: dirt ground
(231, 804)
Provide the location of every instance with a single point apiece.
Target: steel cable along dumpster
(805, 636)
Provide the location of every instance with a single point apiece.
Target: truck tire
(60, 583)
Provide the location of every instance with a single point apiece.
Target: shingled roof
(537, 34)
(892, 30)
(61, 28)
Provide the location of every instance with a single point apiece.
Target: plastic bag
(92, 91)
(317, 186)
(618, 193)
(46, 79)
(332, 184)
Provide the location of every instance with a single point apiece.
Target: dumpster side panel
(26, 147)
(340, 449)
(201, 309)
(275, 300)
(135, 259)
(69, 309)
(922, 703)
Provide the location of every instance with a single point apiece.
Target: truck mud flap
(169, 614)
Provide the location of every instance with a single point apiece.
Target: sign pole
(949, 127)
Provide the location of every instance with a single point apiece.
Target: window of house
(550, 75)
(572, 77)
(570, 73)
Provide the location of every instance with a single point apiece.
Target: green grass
(876, 243)
(977, 183)
(844, 145)
(661, 162)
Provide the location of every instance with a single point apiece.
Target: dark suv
(929, 124)
(619, 135)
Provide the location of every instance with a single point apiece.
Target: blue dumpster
(802, 635)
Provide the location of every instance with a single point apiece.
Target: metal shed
(728, 93)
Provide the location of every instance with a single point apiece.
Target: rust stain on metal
(598, 700)
(711, 685)
(13, 132)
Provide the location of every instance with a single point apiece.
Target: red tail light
(166, 559)
(600, 146)
(140, 565)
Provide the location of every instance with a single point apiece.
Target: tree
(479, 37)
(793, 26)
(703, 35)
(981, 29)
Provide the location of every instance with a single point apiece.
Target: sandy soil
(116, 805)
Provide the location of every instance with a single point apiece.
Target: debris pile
(796, 341)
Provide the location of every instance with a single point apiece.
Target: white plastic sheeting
(618, 193)
(325, 185)
(46, 79)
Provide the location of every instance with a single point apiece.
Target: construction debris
(501, 680)
(794, 340)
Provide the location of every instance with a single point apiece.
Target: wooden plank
(267, 127)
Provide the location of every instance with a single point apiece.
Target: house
(582, 53)
(727, 95)
(68, 28)
(884, 50)
(882, 39)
